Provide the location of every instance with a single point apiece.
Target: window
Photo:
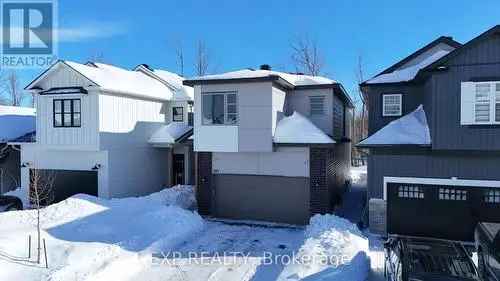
(480, 103)
(178, 114)
(492, 196)
(67, 113)
(219, 109)
(408, 191)
(497, 102)
(452, 194)
(392, 105)
(317, 105)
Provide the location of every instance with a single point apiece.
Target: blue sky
(242, 34)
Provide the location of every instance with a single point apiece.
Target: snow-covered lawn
(157, 237)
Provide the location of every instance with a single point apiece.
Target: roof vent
(265, 67)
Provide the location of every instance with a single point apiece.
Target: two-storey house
(108, 131)
(434, 163)
(270, 146)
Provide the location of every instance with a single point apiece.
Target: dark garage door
(68, 183)
(448, 212)
(267, 198)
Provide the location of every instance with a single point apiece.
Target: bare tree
(202, 59)
(41, 194)
(12, 93)
(306, 56)
(96, 56)
(363, 130)
(179, 56)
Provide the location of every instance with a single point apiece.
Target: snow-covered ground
(157, 237)
(358, 175)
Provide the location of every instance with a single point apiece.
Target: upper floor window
(67, 113)
(392, 105)
(480, 103)
(317, 104)
(219, 108)
(178, 114)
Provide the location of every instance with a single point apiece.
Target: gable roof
(492, 31)
(411, 129)
(174, 81)
(113, 79)
(403, 71)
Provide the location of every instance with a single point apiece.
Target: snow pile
(408, 73)
(409, 129)
(338, 251)
(168, 134)
(21, 194)
(16, 122)
(358, 175)
(294, 79)
(298, 129)
(117, 79)
(182, 196)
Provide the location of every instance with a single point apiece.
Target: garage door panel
(268, 198)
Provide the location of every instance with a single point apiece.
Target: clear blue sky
(244, 34)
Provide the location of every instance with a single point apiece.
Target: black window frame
(62, 113)
(182, 113)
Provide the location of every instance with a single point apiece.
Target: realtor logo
(28, 33)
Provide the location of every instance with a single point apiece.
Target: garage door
(440, 211)
(67, 183)
(267, 198)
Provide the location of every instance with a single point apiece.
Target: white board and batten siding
(285, 161)
(84, 137)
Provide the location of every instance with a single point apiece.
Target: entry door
(178, 169)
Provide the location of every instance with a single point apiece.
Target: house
(110, 132)
(434, 139)
(270, 146)
(17, 126)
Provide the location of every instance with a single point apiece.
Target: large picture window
(67, 113)
(392, 105)
(219, 108)
(480, 103)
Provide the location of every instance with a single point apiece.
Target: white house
(108, 131)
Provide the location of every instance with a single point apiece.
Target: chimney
(265, 67)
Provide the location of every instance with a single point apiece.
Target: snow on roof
(168, 134)
(294, 79)
(16, 122)
(409, 73)
(298, 129)
(117, 79)
(409, 129)
(182, 92)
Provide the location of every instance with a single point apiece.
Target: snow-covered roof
(410, 129)
(169, 134)
(298, 129)
(409, 73)
(294, 79)
(16, 122)
(182, 92)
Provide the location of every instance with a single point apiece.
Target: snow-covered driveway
(244, 248)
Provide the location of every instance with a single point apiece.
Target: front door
(178, 169)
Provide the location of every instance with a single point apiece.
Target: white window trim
(225, 94)
(400, 113)
(439, 181)
(492, 103)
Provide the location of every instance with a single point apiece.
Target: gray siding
(481, 61)
(338, 118)
(429, 164)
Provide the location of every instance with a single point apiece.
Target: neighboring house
(270, 146)
(434, 163)
(108, 131)
(17, 126)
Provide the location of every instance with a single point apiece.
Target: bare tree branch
(307, 56)
(96, 56)
(12, 93)
(179, 56)
(202, 59)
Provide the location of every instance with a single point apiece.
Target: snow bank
(409, 129)
(16, 122)
(21, 194)
(182, 196)
(337, 249)
(408, 73)
(168, 134)
(298, 129)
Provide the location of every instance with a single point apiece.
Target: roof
(114, 79)
(407, 69)
(170, 134)
(287, 80)
(16, 122)
(181, 92)
(298, 129)
(411, 129)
